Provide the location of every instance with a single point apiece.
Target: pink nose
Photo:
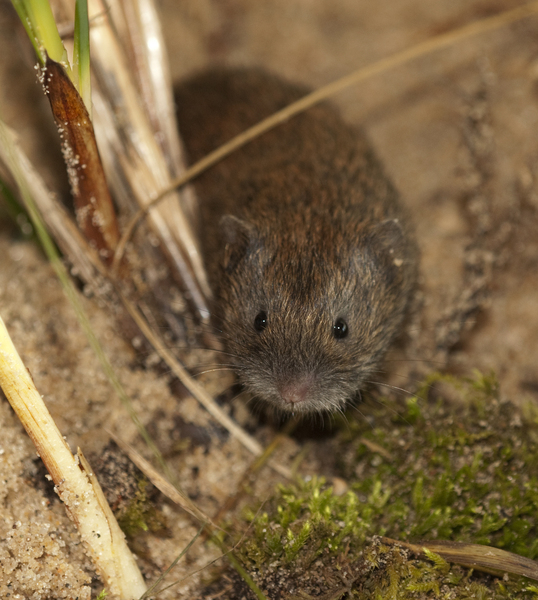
(294, 392)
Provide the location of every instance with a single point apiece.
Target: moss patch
(455, 463)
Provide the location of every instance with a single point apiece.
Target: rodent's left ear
(389, 234)
(389, 238)
(239, 237)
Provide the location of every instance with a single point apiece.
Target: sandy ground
(456, 132)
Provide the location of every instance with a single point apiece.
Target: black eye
(260, 322)
(340, 329)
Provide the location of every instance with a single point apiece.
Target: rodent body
(305, 244)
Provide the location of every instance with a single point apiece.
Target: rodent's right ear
(239, 236)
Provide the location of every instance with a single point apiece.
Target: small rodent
(306, 248)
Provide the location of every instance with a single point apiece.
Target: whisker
(391, 387)
(214, 370)
(148, 353)
(227, 390)
(214, 364)
(386, 406)
(419, 360)
(362, 415)
(417, 380)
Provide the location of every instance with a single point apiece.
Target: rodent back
(301, 229)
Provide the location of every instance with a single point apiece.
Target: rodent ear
(239, 236)
(389, 233)
(389, 238)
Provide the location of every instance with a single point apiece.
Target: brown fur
(304, 225)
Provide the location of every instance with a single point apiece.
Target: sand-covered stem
(75, 484)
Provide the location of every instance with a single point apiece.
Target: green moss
(457, 464)
(140, 514)
(466, 471)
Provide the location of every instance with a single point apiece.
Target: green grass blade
(15, 211)
(151, 590)
(81, 54)
(43, 19)
(21, 7)
(38, 20)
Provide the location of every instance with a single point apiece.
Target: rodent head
(305, 321)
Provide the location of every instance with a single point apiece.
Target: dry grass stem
(476, 556)
(162, 484)
(73, 478)
(145, 44)
(134, 161)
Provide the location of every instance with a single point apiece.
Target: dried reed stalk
(74, 480)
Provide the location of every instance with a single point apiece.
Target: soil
(456, 132)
